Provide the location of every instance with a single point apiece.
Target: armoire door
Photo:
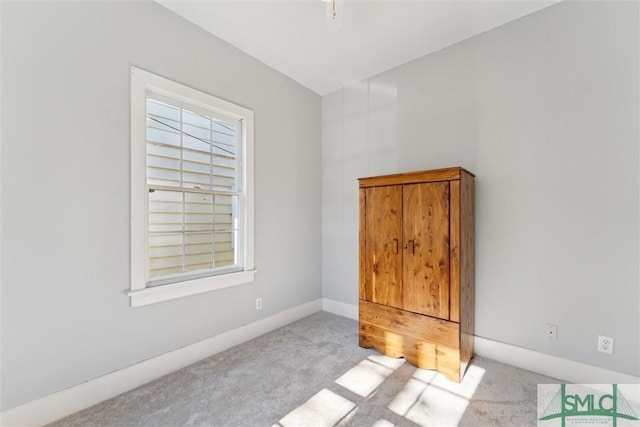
(383, 251)
(426, 248)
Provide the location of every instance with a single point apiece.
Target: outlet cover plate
(605, 344)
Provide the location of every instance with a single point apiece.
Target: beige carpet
(312, 373)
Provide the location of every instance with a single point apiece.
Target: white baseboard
(531, 360)
(66, 402)
(340, 308)
(552, 366)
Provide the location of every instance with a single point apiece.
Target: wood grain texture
(362, 234)
(454, 251)
(426, 256)
(418, 326)
(445, 174)
(425, 347)
(383, 259)
(467, 267)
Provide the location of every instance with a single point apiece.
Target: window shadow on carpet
(424, 398)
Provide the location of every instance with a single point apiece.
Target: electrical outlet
(551, 331)
(605, 344)
(258, 303)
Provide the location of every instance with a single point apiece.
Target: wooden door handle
(410, 246)
(395, 246)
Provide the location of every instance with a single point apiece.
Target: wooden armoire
(417, 268)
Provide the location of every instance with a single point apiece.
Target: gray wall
(65, 190)
(545, 111)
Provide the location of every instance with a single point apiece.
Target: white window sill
(161, 293)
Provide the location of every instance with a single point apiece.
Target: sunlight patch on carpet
(429, 398)
(364, 378)
(325, 408)
(383, 423)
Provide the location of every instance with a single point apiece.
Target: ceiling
(299, 39)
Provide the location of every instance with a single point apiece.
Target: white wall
(65, 190)
(544, 110)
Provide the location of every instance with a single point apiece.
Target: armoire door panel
(383, 257)
(426, 244)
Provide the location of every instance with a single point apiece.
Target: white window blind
(193, 179)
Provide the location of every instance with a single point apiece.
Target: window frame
(141, 293)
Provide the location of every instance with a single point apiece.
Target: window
(191, 191)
